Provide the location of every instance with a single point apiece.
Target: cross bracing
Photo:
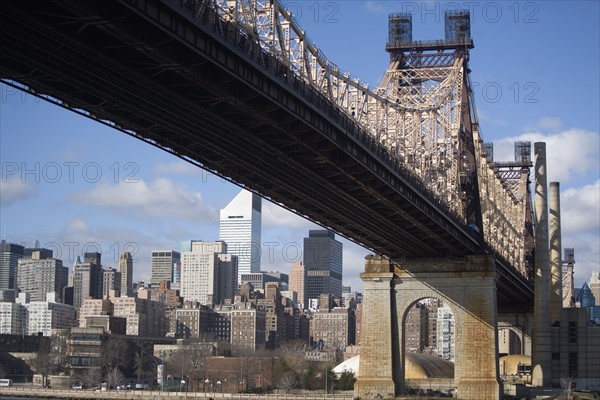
(187, 77)
(422, 111)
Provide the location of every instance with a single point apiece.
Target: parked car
(77, 386)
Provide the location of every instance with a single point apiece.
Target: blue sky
(535, 69)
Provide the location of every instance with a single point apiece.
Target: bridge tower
(435, 133)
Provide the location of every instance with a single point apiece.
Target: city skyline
(70, 181)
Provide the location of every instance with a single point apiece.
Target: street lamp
(206, 382)
(219, 386)
(182, 385)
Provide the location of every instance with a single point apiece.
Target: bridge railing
(236, 38)
(244, 44)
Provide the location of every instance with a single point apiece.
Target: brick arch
(405, 299)
(468, 287)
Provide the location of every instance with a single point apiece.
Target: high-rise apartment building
(111, 280)
(87, 281)
(176, 275)
(165, 294)
(126, 270)
(333, 329)
(144, 317)
(415, 328)
(323, 264)
(10, 253)
(208, 273)
(240, 228)
(39, 275)
(11, 318)
(44, 316)
(298, 282)
(445, 333)
(93, 258)
(242, 324)
(162, 266)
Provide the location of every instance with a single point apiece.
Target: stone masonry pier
(467, 286)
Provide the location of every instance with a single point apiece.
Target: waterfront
(21, 393)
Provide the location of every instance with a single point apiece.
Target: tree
(567, 383)
(346, 380)
(114, 353)
(330, 379)
(293, 353)
(186, 359)
(288, 380)
(44, 362)
(114, 377)
(92, 377)
(308, 378)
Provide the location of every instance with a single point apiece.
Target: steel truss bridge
(237, 88)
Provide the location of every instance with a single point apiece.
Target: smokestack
(542, 340)
(555, 253)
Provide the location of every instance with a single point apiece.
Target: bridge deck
(205, 93)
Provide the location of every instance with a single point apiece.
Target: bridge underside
(213, 97)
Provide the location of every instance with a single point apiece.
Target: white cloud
(14, 190)
(570, 153)
(587, 255)
(580, 209)
(276, 216)
(491, 118)
(548, 123)
(77, 226)
(573, 157)
(179, 167)
(160, 198)
(354, 264)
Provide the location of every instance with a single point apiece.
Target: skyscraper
(298, 282)
(87, 280)
(9, 256)
(111, 280)
(208, 273)
(162, 265)
(323, 264)
(39, 275)
(126, 270)
(240, 228)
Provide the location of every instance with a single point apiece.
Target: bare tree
(139, 365)
(293, 354)
(115, 353)
(288, 380)
(44, 363)
(186, 359)
(567, 383)
(92, 377)
(114, 377)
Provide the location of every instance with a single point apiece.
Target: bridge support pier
(467, 286)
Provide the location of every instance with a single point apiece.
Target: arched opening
(429, 347)
(509, 341)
